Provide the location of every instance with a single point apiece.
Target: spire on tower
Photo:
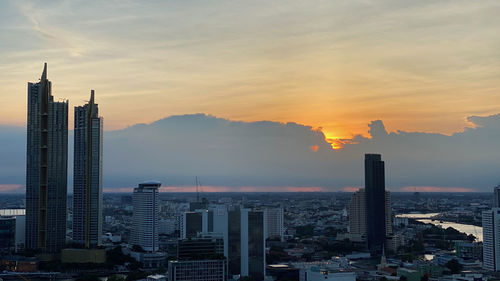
(44, 73)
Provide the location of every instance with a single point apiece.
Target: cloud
(269, 156)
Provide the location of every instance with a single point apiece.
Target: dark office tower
(496, 200)
(46, 168)
(87, 175)
(375, 202)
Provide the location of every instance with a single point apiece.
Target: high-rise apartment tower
(87, 175)
(46, 168)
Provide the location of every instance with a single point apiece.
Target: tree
(454, 266)
(136, 275)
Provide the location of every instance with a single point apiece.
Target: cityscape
(370, 234)
(249, 140)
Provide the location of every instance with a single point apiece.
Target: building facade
(358, 216)
(46, 168)
(7, 235)
(144, 231)
(375, 202)
(243, 231)
(496, 199)
(197, 270)
(87, 175)
(491, 239)
(274, 223)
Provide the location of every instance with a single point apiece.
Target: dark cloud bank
(230, 153)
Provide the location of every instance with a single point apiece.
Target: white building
(491, 239)
(145, 216)
(274, 223)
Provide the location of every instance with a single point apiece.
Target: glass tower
(375, 202)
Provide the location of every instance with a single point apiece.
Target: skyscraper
(46, 168)
(145, 216)
(496, 199)
(491, 239)
(375, 202)
(87, 175)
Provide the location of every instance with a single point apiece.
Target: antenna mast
(197, 193)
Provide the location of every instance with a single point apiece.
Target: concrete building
(274, 223)
(87, 175)
(144, 232)
(491, 239)
(358, 216)
(46, 168)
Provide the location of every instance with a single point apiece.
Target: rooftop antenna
(197, 193)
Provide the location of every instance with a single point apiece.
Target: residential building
(144, 232)
(87, 175)
(274, 222)
(46, 168)
(491, 239)
(358, 216)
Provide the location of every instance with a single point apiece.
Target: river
(477, 231)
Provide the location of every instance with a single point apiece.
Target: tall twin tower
(47, 171)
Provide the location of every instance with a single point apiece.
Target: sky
(331, 66)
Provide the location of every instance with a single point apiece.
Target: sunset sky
(418, 65)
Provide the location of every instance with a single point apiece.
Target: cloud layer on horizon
(267, 154)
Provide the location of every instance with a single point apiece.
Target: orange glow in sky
(331, 65)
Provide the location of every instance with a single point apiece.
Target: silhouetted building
(496, 199)
(144, 230)
(7, 235)
(87, 175)
(46, 168)
(192, 224)
(375, 202)
(200, 248)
